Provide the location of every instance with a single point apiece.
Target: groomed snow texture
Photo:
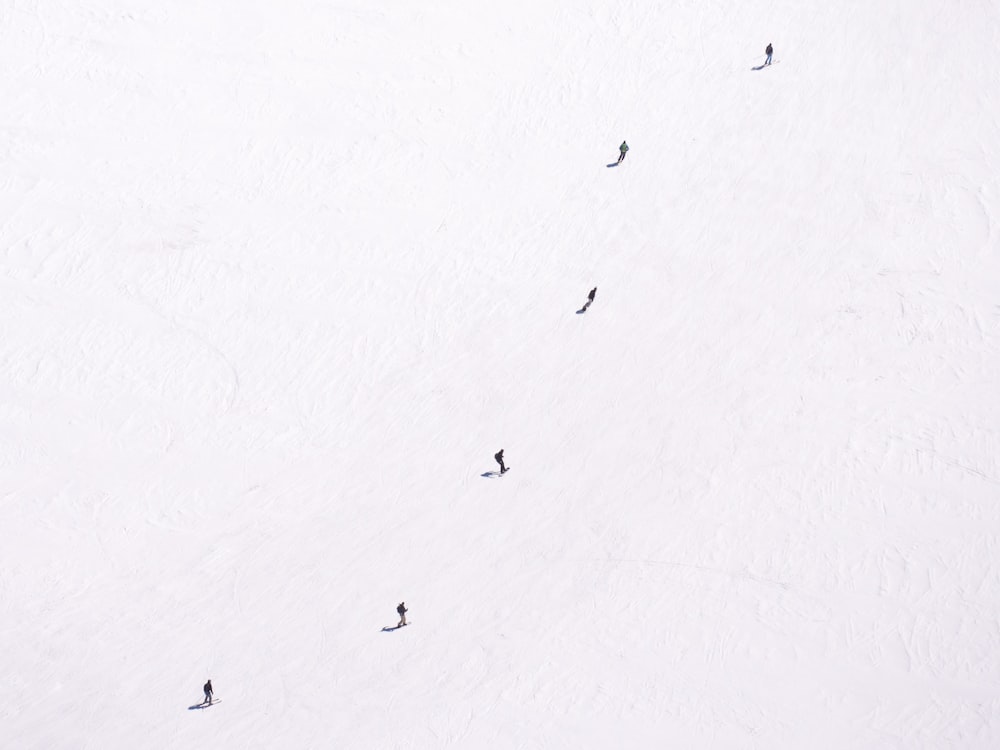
(277, 279)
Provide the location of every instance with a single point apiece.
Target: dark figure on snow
(401, 611)
(769, 51)
(590, 298)
(208, 691)
(498, 457)
(624, 150)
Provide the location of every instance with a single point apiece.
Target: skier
(208, 691)
(498, 457)
(624, 149)
(769, 51)
(590, 298)
(401, 610)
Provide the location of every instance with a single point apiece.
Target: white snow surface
(277, 279)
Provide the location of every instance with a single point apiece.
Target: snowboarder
(624, 150)
(590, 299)
(769, 51)
(208, 691)
(401, 610)
(498, 457)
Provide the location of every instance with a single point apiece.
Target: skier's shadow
(613, 164)
(759, 67)
(390, 629)
(198, 706)
(581, 311)
(490, 474)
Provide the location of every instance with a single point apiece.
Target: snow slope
(278, 279)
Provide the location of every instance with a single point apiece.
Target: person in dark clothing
(498, 457)
(401, 610)
(769, 51)
(590, 299)
(624, 150)
(208, 691)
